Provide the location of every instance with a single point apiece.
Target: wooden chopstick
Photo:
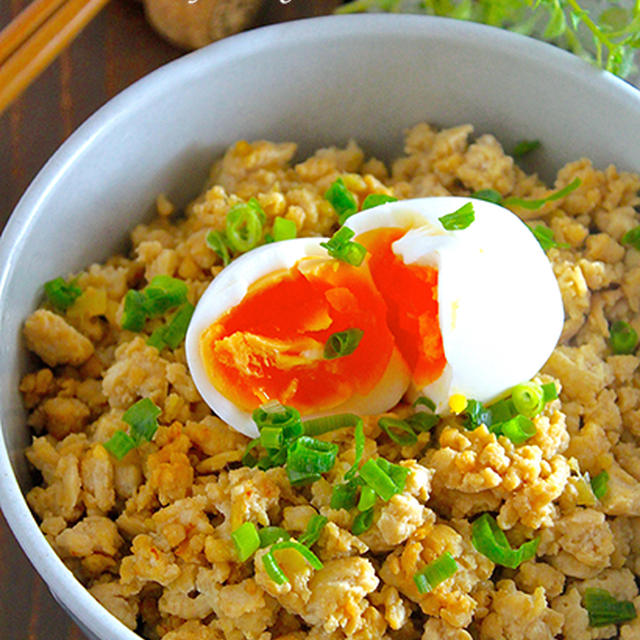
(36, 37)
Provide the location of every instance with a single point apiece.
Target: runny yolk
(271, 345)
(411, 295)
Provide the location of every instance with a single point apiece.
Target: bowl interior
(317, 82)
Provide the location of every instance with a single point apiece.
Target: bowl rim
(69, 592)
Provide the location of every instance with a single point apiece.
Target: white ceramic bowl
(317, 82)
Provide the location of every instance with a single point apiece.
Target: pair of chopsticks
(34, 38)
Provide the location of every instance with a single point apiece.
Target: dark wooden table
(114, 51)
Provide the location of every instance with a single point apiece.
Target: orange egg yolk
(271, 345)
(411, 295)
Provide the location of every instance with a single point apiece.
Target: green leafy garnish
(442, 568)
(341, 199)
(604, 609)
(244, 225)
(342, 343)
(532, 205)
(545, 237)
(142, 418)
(623, 338)
(342, 247)
(609, 40)
(459, 219)
(490, 540)
(61, 294)
(217, 241)
(375, 200)
(599, 484)
(524, 147)
(632, 237)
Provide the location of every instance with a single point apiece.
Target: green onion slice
(142, 419)
(632, 238)
(342, 343)
(623, 338)
(344, 496)
(524, 147)
(216, 241)
(441, 569)
(248, 459)
(367, 498)
(134, 314)
(61, 294)
(518, 429)
(599, 484)
(246, 540)
(164, 293)
(398, 430)
(375, 200)
(313, 530)
(342, 247)
(277, 415)
(119, 444)
(318, 426)
(528, 399)
(459, 219)
(341, 199)
(271, 437)
(423, 421)
(359, 452)
(284, 229)
(244, 225)
(384, 477)
(271, 535)
(490, 540)
(488, 195)
(532, 205)
(362, 522)
(604, 609)
(427, 402)
(307, 458)
(172, 334)
(549, 392)
(271, 565)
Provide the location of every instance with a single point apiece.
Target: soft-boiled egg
(474, 311)
(260, 329)
(468, 312)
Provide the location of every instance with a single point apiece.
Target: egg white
(228, 289)
(500, 308)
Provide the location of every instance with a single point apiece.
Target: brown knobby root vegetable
(195, 23)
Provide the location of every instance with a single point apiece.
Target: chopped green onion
(623, 338)
(375, 200)
(134, 314)
(488, 195)
(524, 147)
(318, 426)
(344, 496)
(546, 239)
(248, 459)
(307, 458)
(459, 219)
(313, 530)
(164, 293)
(271, 565)
(271, 437)
(217, 242)
(119, 444)
(423, 421)
(528, 399)
(244, 225)
(604, 609)
(384, 477)
(273, 569)
(398, 430)
(277, 415)
(396, 472)
(341, 199)
(490, 540)
(359, 452)
(341, 247)
(271, 535)
(246, 540)
(172, 334)
(342, 343)
(549, 392)
(632, 237)
(284, 229)
(61, 294)
(532, 205)
(142, 418)
(490, 416)
(367, 499)
(362, 522)
(427, 402)
(518, 429)
(436, 572)
(599, 484)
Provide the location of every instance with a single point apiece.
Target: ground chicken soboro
(149, 535)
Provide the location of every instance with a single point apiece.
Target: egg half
(471, 311)
(496, 300)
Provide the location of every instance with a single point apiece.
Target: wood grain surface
(114, 51)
